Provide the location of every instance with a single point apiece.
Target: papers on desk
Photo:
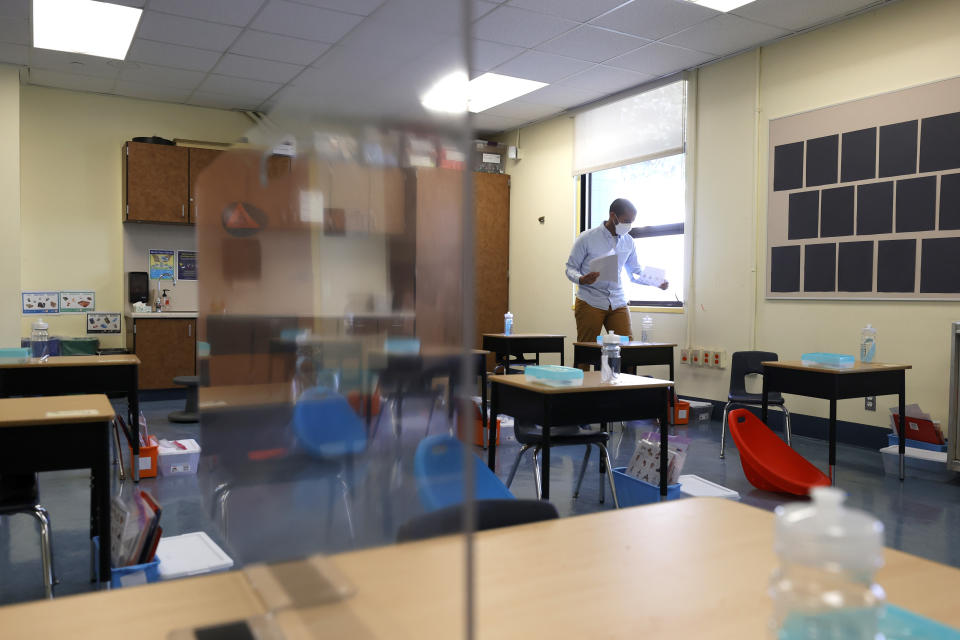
(607, 266)
(652, 276)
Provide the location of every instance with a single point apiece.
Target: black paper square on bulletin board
(803, 215)
(896, 266)
(820, 267)
(858, 155)
(836, 212)
(940, 265)
(785, 268)
(898, 149)
(788, 166)
(822, 160)
(874, 208)
(855, 266)
(940, 143)
(916, 204)
(950, 201)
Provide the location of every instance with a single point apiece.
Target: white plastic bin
(918, 463)
(174, 461)
(697, 487)
(190, 554)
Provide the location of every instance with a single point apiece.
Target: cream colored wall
(70, 152)
(9, 206)
(899, 45)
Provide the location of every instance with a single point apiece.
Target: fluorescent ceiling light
(84, 26)
(454, 94)
(721, 5)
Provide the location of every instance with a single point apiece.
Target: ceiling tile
(519, 27)
(543, 67)
(592, 43)
(725, 34)
(172, 55)
(482, 8)
(186, 31)
(660, 59)
(798, 15)
(148, 74)
(19, 9)
(240, 87)
(428, 16)
(562, 96)
(234, 12)
(271, 46)
(605, 80)
(13, 53)
(47, 78)
(358, 7)
(14, 30)
(220, 101)
(655, 19)
(150, 91)
(579, 10)
(301, 21)
(525, 111)
(74, 63)
(487, 55)
(137, 4)
(256, 68)
(486, 123)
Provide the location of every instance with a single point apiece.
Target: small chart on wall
(863, 199)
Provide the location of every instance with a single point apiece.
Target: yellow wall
(9, 206)
(896, 46)
(70, 152)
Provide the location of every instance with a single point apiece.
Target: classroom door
(491, 193)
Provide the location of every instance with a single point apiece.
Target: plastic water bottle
(646, 329)
(610, 358)
(40, 339)
(868, 343)
(507, 323)
(824, 588)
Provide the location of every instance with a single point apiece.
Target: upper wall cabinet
(156, 183)
(200, 159)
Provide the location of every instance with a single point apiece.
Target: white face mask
(623, 228)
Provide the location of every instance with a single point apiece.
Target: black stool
(190, 412)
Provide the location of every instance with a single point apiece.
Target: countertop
(164, 314)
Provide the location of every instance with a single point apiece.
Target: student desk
(629, 398)
(862, 380)
(632, 355)
(63, 432)
(622, 581)
(516, 344)
(60, 375)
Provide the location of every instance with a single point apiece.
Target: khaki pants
(591, 320)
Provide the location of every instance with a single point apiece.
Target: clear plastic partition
(335, 377)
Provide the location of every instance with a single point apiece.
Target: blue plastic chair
(327, 426)
(438, 469)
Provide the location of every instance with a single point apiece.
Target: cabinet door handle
(189, 330)
(183, 211)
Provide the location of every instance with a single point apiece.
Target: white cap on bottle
(40, 324)
(611, 338)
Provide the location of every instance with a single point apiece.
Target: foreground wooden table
(693, 568)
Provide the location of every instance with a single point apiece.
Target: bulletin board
(863, 199)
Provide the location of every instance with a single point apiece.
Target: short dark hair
(622, 206)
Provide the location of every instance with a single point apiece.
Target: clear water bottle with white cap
(868, 343)
(40, 339)
(824, 588)
(646, 329)
(610, 357)
(507, 323)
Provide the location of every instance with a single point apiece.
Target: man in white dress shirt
(602, 304)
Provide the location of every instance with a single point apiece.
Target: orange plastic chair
(768, 462)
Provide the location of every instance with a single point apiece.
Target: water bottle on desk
(868, 343)
(40, 340)
(824, 588)
(646, 329)
(507, 323)
(610, 358)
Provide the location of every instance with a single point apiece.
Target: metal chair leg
(118, 450)
(536, 472)
(46, 549)
(516, 463)
(786, 424)
(613, 490)
(723, 429)
(583, 468)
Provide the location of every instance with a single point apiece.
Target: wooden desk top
(74, 361)
(50, 410)
(858, 367)
(591, 382)
(244, 395)
(633, 344)
(523, 335)
(682, 569)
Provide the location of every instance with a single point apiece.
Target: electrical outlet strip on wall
(684, 356)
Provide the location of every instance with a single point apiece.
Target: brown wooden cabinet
(167, 347)
(155, 183)
(491, 211)
(200, 159)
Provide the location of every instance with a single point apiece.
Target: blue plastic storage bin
(53, 345)
(135, 574)
(894, 439)
(631, 492)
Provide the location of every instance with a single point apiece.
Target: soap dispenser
(166, 300)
